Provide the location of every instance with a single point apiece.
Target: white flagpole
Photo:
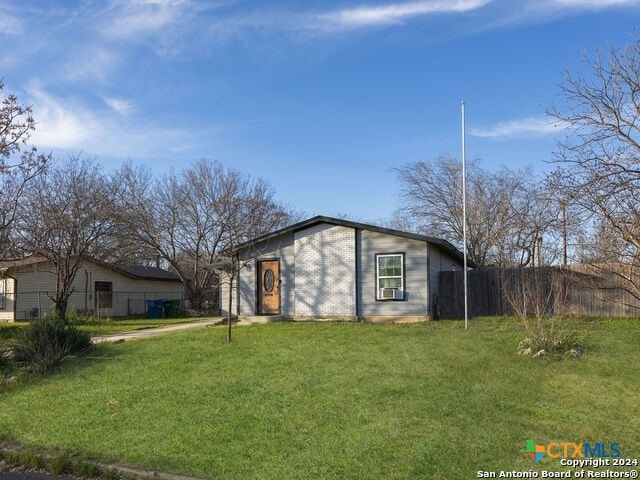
(464, 222)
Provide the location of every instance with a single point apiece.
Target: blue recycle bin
(155, 308)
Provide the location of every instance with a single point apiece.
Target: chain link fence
(29, 305)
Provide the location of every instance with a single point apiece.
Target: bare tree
(189, 217)
(613, 259)
(601, 158)
(246, 203)
(508, 213)
(66, 216)
(537, 296)
(536, 237)
(432, 196)
(19, 162)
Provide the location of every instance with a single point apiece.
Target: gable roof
(148, 273)
(446, 246)
(132, 271)
(20, 263)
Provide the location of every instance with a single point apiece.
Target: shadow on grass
(14, 378)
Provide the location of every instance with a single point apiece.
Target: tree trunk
(229, 310)
(194, 297)
(60, 307)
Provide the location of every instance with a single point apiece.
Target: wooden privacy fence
(554, 290)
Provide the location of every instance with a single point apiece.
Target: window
(104, 294)
(390, 276)
(4, 293)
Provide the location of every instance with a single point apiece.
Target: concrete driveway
(150, 332)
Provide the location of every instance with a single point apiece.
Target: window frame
(402, 277)
(4, 293)
(103, 304)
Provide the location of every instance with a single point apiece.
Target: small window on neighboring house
(4, 291)
(104, 294)
(390, 276)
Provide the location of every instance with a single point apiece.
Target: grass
(334, 400)
(8, 330)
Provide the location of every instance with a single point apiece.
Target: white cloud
(10, 24)
(527, 12)
(60, 124)
(527, 127)
(123, 107)
(94, 64)
(547, 10)
(365, 15)
(71, 126)
(141, 18)
(594, 4)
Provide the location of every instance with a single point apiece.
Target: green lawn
(8, 330)
(335, 400)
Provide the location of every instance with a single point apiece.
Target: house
(338, 269)
(99, 288)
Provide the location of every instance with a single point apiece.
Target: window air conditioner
(390, 294)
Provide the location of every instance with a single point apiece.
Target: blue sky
(321, 98)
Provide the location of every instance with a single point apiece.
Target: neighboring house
(98, 289)
(337, 269)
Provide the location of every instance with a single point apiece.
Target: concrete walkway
(151, 332)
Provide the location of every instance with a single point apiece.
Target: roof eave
(348, 223)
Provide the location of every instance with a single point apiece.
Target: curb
(11, 452)
(142, 474)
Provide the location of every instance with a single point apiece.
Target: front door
(268, 287)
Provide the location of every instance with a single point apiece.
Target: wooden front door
(268, 287)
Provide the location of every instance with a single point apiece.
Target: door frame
(259, 286)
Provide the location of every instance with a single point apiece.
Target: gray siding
(416, 265)
(440, 261)
(224, 296)
(245, 294)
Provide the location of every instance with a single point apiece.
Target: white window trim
(400, 290)
(4, 290)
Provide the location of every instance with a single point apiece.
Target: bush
(6, 354)
(555, 344)
(47, 342)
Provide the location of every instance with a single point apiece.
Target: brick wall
(325, 281)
